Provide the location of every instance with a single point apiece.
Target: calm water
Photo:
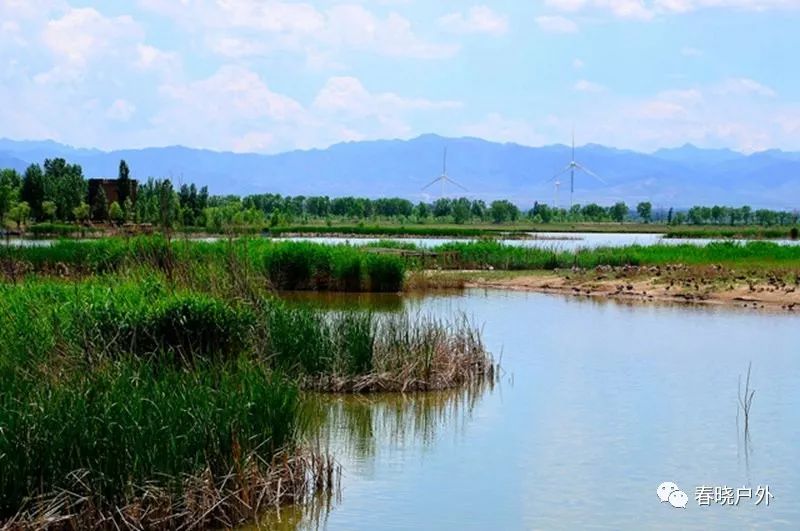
(549, 240)
(599, 404)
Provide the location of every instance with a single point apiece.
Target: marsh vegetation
(154, 384)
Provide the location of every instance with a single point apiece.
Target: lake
(598, 403)
(565, 241)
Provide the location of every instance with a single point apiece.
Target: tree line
(57, 191)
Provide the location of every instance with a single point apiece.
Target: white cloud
(647, 9)
(686, 6)
(578, 64)
(499, 128)
(745, 86)
(239, 28)
(584, 85)
(149, 57)
(235, 109)
(633, 9)
(83, 34)
(120, 110)
(253, 142)
(557, 24)
(349, 96)
(721, 114)
(232, 92)
(478, 19)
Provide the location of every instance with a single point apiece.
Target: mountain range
(678, 177)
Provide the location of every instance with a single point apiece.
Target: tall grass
(284, 265)
(145, 401)
(157, 384)
(476, 255)
(131, 424)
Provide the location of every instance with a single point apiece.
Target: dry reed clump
(419, 354)
(241, 495)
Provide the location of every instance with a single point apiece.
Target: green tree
(645, 211)
(116, 214)
(124, 182)
(167, 205)
(100, 205)
(478, 209)
(422, 211)
(64, 185)
(128, 209)
(49, 210)
(33, 189)
(619, 211)
(461, 210)
(20, 213)
(503, 211)
(81, 213)
(9, 191)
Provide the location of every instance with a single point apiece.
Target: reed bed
(480, 255)
(145, 445)
(138, 402)
(281, 265)
(401, 353)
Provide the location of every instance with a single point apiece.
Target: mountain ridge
(680, 176)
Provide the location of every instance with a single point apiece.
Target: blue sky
(269, 76)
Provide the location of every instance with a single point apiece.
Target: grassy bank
(481, 255)
(128, 401)
(741, 233)
(280, 265)
(251, 265)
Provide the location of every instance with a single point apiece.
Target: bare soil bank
(775, 290)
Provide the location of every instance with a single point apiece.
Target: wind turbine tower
(443, 178)
(571, 168)
(557, 186)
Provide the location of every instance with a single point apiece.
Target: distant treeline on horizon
(57, 191)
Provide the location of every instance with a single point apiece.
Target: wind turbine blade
(436, 180)
(557, 175)
(455, 183)
(444, 162)
(589, 172)
(573, 143)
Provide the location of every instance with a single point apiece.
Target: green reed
(477, 255)
(284, 265)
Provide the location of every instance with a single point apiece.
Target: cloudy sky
(269, 76)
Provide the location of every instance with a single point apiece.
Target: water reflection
(381, 302)
(548, 240)
(357, 428)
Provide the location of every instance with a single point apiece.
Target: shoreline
(763, 295)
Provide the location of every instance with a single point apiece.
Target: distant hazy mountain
(677, 177)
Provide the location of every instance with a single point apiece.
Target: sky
(270, 76)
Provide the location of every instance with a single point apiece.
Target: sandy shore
(707, 285)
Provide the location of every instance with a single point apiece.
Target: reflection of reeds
(360, 423)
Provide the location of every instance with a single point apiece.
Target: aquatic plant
(745, 400)
(480, 255)
(284, 265)
(143, 435)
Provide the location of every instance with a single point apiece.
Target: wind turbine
(557, 186)
(571, 167)
(443, 178)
